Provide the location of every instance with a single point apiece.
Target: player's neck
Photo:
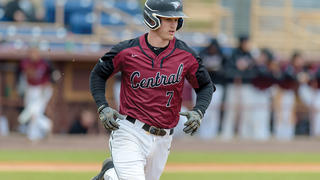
(156, 41)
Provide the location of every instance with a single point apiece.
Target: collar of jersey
(151, 54)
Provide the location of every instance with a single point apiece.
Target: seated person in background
(13, 12)
(83, 123)
(20, 10)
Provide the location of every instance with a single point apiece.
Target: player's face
(34, 55)
(262, 59)
(298, 62)
(246, 46)
(168, 28)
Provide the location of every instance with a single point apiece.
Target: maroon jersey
(36, 72)
(289, 77)
(314, 73)
(151, 85)
(263, 78)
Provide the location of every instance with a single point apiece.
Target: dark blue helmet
(153, 9)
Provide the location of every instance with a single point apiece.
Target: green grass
(242, 157)
(176, 157)
(240, 176)
(46, 175)
(165, 176)
(52, 156)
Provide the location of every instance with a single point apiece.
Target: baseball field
(77, 158)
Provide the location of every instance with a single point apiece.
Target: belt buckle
(156, 131)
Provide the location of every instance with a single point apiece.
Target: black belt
(151, 129)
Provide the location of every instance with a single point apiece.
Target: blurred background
(263, 56)
(71, 35)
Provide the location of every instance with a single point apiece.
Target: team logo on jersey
(157, 80)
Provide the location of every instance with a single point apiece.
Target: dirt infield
(171, 167)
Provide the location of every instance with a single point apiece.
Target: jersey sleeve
(107, 65)
(197, 74)
(199, 78)
(110, 63)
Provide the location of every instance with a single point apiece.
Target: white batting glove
(194, 121)
(108, 117)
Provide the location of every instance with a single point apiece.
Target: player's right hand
(108, 117)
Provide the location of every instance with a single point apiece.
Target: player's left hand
(193, 123)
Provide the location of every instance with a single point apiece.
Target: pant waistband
(151, 129)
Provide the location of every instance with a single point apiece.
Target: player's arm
(199, 78)
(98, 77)
(107, 65)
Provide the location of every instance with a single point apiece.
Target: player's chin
(170, 37)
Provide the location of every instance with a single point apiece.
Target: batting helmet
(153, 9)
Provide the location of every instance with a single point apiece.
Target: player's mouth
(172, 32)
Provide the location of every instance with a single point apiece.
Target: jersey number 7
(170, 94)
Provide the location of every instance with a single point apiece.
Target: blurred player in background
(285, 117)
(38, 91)
(214, 61)
(153, 69)
(315, 103)
(4, 125)
(239, 72)
(309, 92)
(266, 72)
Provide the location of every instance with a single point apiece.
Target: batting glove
(108, 117)
(194, 121)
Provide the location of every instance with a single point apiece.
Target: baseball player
(264, 78)
(38, 92)
(285, 118)
(153, 68)
(239, 73)
(314, 102)
(309, 95)
(214, 61)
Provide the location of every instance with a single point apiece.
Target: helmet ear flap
(180, 23)
(152, 22)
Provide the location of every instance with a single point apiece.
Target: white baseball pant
(261, 114)
(137, 154)
(284, 116)
(36, 100)
(311, 97)
(238, 99)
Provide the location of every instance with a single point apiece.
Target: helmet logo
(176, 4)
